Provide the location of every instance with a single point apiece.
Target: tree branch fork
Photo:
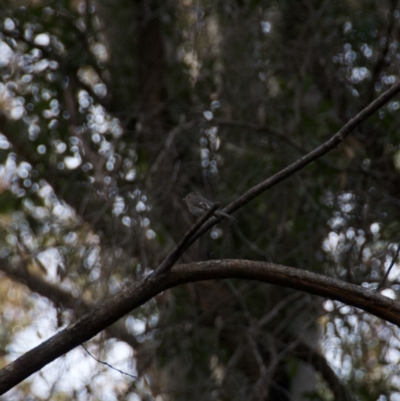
(138, 293)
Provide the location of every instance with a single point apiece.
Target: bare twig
(169, 141)
(258, 128)
(261, 387)
(288, 171)
(108, 365)
(277, 309)
(175, 254)
(381, 61)
(280, 176)
(388, 270)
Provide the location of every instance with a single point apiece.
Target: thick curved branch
(140, 292)
(63, 298)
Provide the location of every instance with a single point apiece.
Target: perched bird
(198, 205)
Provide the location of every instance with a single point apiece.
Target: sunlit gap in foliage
(370, 255)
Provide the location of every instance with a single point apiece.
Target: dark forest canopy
(286, 113)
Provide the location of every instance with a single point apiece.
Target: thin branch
(261, 387)
(108, 365)
(176, 253)
(277, 309)
(326, 147)
(315, 154)
(282, 137)
(388, 270)
(258, 128)
(169, 141)
(388, 36)
(138, 293)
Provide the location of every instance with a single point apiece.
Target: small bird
(198, 205)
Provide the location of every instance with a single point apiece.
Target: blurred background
(112, 111)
